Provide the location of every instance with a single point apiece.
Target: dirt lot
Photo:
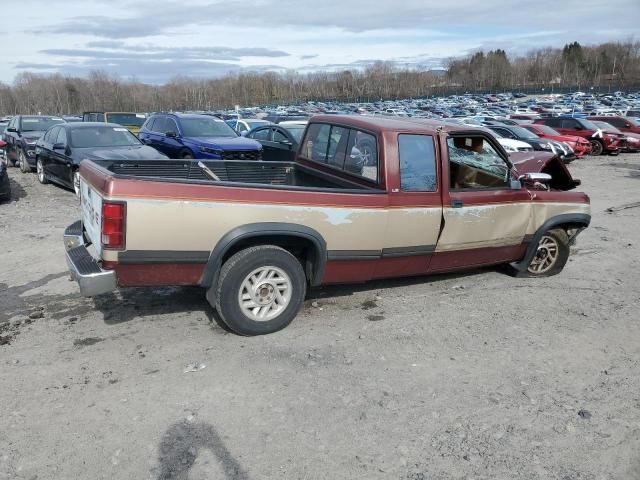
(477, 376)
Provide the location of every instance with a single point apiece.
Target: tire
(597, 147)
(24, 163)
(187, 155)
(544, 262)
(277, 297)
(42, 177)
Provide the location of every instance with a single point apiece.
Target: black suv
(21, 135)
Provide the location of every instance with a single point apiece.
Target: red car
(601, 142)
(624, 124)
(580, 146)
(629, 142)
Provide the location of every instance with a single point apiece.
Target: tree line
(614, 64)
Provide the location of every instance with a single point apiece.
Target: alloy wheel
(265, 293)
(546, 255)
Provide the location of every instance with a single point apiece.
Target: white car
(511, 145)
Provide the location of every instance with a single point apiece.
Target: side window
(350, 150)
(504, 132)
(475, 164)
(262, 134)
(569, 123)
(417, 163)
(171, 126)
(554, 122)
(278, 136)
(617, 122)
(362, 155)
(160, 125)
(62, 137)
(100, 117)
(149, 124)
(51, 135)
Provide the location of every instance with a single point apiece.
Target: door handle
(457, 203)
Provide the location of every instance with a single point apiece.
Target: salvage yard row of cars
(292, 202)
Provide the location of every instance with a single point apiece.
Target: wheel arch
(566, 221)
(292, 237)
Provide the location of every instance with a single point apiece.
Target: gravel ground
(472, 376)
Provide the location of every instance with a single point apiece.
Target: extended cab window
(475, 164)
(263, 134)
(348, 149)
(417, 163)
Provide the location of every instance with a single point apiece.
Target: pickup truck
(366, 198)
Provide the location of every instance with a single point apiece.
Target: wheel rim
(546, 255)
(596, 148)
(76, 183)
(40, 170)
(22, 161)
(265, 293)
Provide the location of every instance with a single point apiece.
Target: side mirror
(285, 142)
(171, 134)
(244, 134)
(59, 146)
(533, 178)
(12, 129)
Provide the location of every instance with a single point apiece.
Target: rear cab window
(417, 163)
(346, 149)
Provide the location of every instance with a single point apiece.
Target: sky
(156, 40)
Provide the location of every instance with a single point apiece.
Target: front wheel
(187, 155)
(75, 180)
(551, 254)
(260, 290)
(597, 148)
(42, 177)
(24, 163)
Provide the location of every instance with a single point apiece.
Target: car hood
(543, 162)
(141, 152)
(226, 143)
(510, 142)
(564, 138)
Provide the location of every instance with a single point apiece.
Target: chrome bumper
(84, 269)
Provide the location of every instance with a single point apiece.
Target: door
(172, 145)
(44, 154)
(264, 135)
(155, 137)
(61, 165)
(485, 218)
(283, 143)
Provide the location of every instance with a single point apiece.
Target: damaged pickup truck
(366, 198)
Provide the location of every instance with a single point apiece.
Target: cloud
(351, 15)
(307, 57)
(145, 53)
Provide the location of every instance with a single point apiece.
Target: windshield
(39, 124)
(102, 137)
(588, 124)
(548, 130)
(128, 119)
(296, 132)
(524, 133)
(206, 127)
(606, 126)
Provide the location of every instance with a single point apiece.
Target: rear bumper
(91, 277)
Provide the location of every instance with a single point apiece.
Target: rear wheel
(75, 180)
(24, 164)
(597, 148)
(42, 177)
(260, 290)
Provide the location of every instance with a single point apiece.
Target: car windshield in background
(588, 124)
(524, 133)
(256, 123)
(548, 130)
(206, 127)
(296, 132)
(634, 121)
(39, 124)
(102, 137)
(607, 126)
(128, 119)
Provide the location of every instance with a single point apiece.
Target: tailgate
(91, 213)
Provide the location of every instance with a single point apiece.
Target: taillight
(113, 225)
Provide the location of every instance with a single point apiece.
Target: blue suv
(187, 136)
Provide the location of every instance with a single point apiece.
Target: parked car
(629, 142)
(601, 143)
(130, 120)
(540, 144)
(579, 145)
(3, 154)
(244, 125)
(624, 124)
(256, 234)
(187, 136)
(5, 186)
(278, 143)
(62, 148)
(21, 135)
